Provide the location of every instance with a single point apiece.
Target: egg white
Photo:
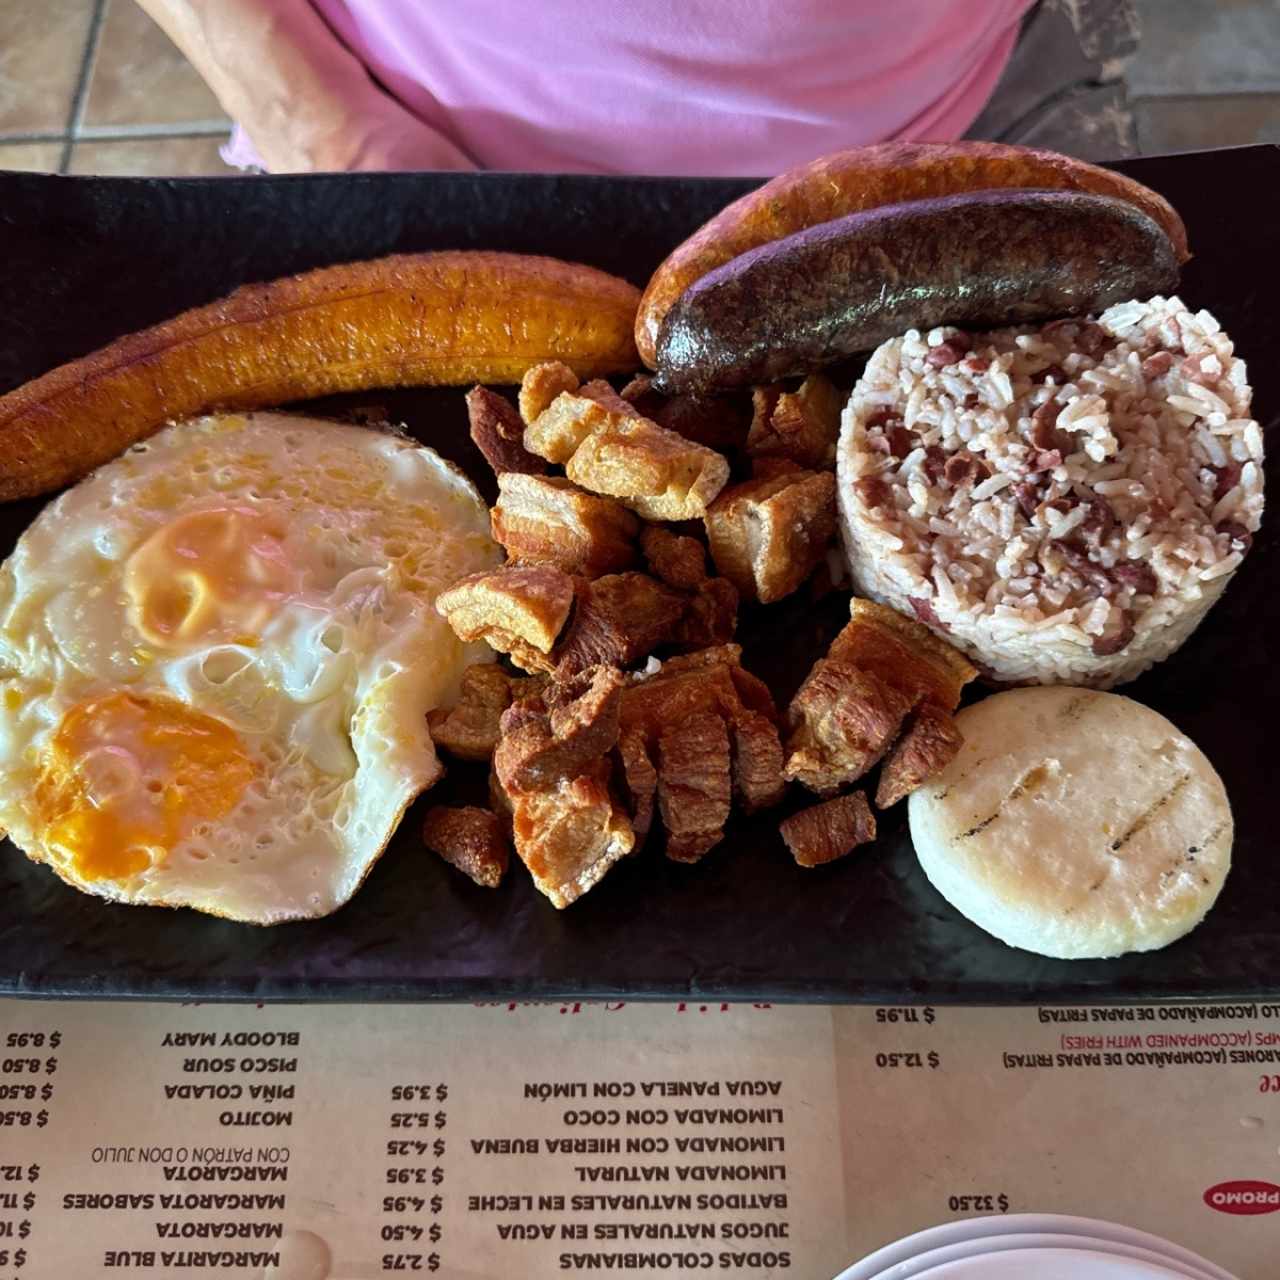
(323, 653)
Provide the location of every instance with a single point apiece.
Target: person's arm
(304, 99)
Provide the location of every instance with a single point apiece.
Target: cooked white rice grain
(1068, 510)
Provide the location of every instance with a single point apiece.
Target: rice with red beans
(1064, 503)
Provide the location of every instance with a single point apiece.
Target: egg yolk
(128, 776)
(217, 573)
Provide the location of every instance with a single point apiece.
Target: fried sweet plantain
(448, 318)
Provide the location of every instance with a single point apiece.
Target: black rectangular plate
(87, 259)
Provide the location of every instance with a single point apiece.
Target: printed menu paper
(289, 1142)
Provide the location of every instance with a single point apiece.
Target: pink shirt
(678, 86)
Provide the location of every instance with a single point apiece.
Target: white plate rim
(1070, 1258)
(921, 1264)
(1022, 1224)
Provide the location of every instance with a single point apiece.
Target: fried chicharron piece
(711, 604)
(767, 535)
(757, 761)
(551, 621)
(719, 422)
(698, 731)
(655, 472)
(904, 653)
(554, 770)
(824, 832)
(469, 730)
(682, 741)
(606, 447)
(517, 610)
(563, 731)
(470, 839)
(618, 619)
(841, 721)
(929, 743)
(802, 425)
(640, 779)
(678, 561)
(694, 784)
(710, 615)
(548, 520)
(859, 701)
(451, 318)
(540, 386)
(498, 433)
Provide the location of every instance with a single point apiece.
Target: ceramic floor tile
(1194, 123)
(42, 44)
(151, 157)
(1206, 46)
(139, 77)
(33, 157)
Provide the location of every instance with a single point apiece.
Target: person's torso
(681, 86)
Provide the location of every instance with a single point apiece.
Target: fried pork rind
(757, 762)
(558, 431)
(856, 702)
(710, 615)
(554, 768)
(824, 832)
(548, 520)
(694, 784)
(767, 535)
(653, 471)
(540, 386)
(550, 621)
(841, 721)
(640, 779)
(563, 732)
(686, 739)
(690, 682)
(517, 610)
(668, 745)
(678, 561)
(711, 604)
(606, 447)
(904, 653)
(570, 835)
(719, 422)
(470, 729)
(607, 398)
(802, 425)
(618, 619)
(930, 742)
(470, 839)
(498, 433)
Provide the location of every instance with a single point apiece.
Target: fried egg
(217, 654)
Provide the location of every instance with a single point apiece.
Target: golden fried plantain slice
(448, 318)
